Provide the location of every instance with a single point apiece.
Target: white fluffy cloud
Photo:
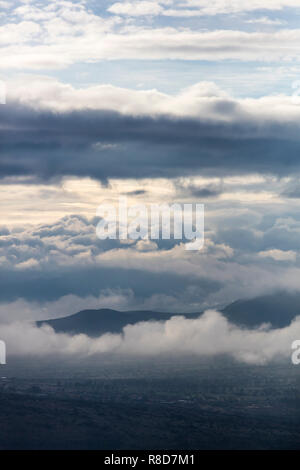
(214, 7)
(279, 255)
(19, 32)
(209, 335)
(265, 20)
(153, 44)
(139, 8)
(186, 8)
(204, 100)
(58, 34)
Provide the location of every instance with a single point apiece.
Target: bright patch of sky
(88, 42)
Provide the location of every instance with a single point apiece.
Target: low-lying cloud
(209, 335)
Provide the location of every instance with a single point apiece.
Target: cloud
(203, 101)
(140, 8)
(217, 7)
(265, 20)
(46, 129)
(55, 35)
(199, 191)
(209, 335)
(193, 8)
(61, 259)
(44, 263)
(19, 33)
(155, 44)
(4, 4)
(292, 190)
(61, 267)
(279, 255)
(249, 250)
(24, 310)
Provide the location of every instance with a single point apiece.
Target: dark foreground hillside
(235, 408)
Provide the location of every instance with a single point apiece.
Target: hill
(277, 309)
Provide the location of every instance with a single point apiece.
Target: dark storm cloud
(139, 192)
(293, 191)
(200, 191)
(106, 144)
(52, 284)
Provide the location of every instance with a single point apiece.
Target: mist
(207, 336)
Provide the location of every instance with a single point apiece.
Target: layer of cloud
(62, 267)
(279, 255)
(215, 7)
(46, 130)
(203, 100)
(156, 44)
(58, 34)
(141, 8)
(210, 335)
(187, 8)
(264, 20)
(20, 310)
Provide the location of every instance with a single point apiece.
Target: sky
(159, 101)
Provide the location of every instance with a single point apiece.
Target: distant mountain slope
(97, 322)
(278, 309)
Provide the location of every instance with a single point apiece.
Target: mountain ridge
(277, 309)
